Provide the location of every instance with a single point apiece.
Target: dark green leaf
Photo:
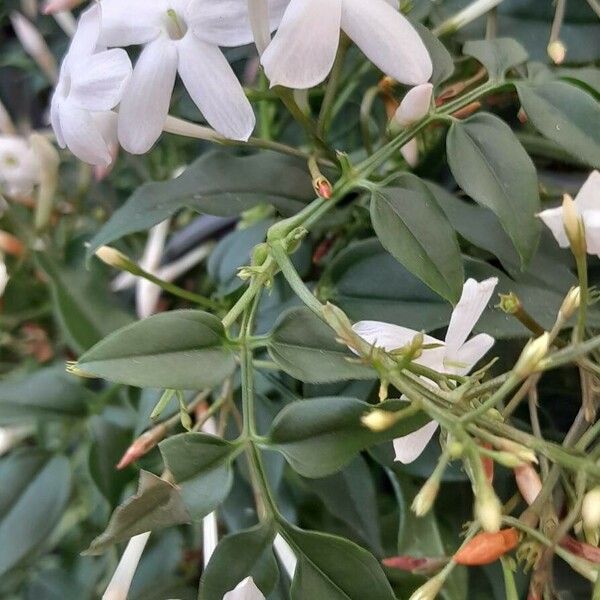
(497, 55)
(217, 184)
(306, 348)
(33, 496)
(181, 349)
(47, 394)
(415, 231)
(320, 436)
(82, 303)
(332, 568)
(491, 166)
(156, 504)
(201, 466)
(589, 76)
(565, 114)
(239, 555)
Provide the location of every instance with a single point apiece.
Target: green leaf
(565, 114)
(239, 555)
(201, 466)
(589, 76)
(48, 394)
(443, 65)
(367, 282)
(216, 184)
(415, 231)
(181, 349)
(490, 165)
(350, 496)
(497, 55)
(306, 348)
(33, 497)
(332, 568)
(156, 504)
(319, 436)
(83, 306)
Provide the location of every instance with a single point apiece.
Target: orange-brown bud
(485, 548)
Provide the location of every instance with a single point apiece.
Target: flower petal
(227, 22)
(415, 104)
(131, 22)
(87, 34)
(213, 86)
(82, 135)
(145, 104)
(475, 297)
(388, 40)
(99, 82)
(553, 219)
(588, 197)
(468, 355)
(245, 590)
(591, 221)
(410, 152)
(409, 447)
(55, 120)
(303, 49)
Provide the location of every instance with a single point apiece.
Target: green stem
(332, 86)
(584, 291)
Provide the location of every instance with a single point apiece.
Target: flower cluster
(101, 100)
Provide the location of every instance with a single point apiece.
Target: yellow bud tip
(571, 302)
(532, 355)
(557, 51)
(112, 257)
(424, 500)
(378, 420)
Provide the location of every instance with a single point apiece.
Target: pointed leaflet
(156, 504)
(201, 466)
(497, 55)
(216, 184)
(415, 231)
(181, 349)
(239, 555)
(306, 348)
(565, 114)
(332, 568)
(490, 165)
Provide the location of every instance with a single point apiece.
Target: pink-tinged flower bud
(410, 153)
(415, 105)
(34, 44)
(426, 497)
(52, 7)
(528, 482)
(413, 564)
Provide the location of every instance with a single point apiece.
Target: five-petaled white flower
(245, 590)
(304, 48)
(455, 355)
(91, 83)
(19, 166)
(181, 36)
(587, 205)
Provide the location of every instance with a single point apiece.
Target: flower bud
(379, 420)
(415, 105)
(118, 588)
(113, 258)
(590, 510)
(410, 152)
(488, 508)
(53, 6)
(532, 355)
(557, 51)
(486, 548)
(510, 303)
(424, 500)
(573, 226)
(429, 590)
(571, 303)
(34, 44)
(323, 187)
(523, 453)
(421, 565)
(528, 482)
(49, 162)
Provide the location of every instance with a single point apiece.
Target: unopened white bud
(415, 105)
(429, 590)
(410, 152)
(532, 355)
(379, 420)
(557, 51)
(573, 226)
(571, 302)
(488, 509)
(590, 509)
(113, 258)
(4, 277)
(528, 482)
(34, 44)
(424, 500)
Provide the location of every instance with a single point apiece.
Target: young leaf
(332, 568)
(497, 55)
(156, 504)
(48, 394)
(319, 436)
(306, 348)
(239, 555)
(491, 166)
(201, 466)
(216, 184)
(181, 349)
(33, 496)
(415, 231)
(565, 114)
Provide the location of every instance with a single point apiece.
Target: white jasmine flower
(415, 104)
(245, 590)
(587, 207)
(19, 166)
(91, 83)
(118, 588)
(454, 355)
(304, 48)
(181, 36)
